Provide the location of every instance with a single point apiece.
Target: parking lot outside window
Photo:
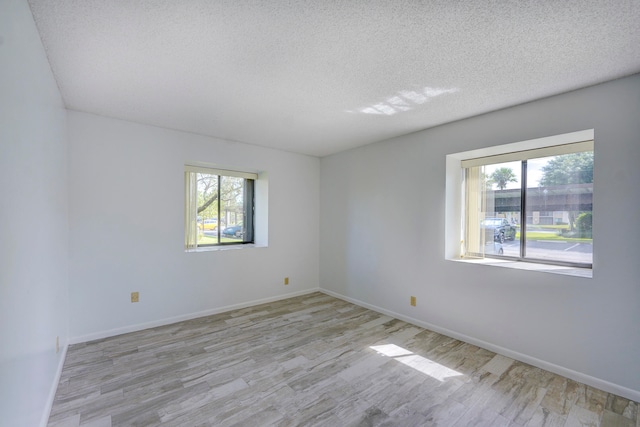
(219, 207)
(534, 205)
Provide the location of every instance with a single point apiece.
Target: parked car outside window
(233, 231)
(208, 224)
(499, 228)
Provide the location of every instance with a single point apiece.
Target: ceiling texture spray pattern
(319, 77)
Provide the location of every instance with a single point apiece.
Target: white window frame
(454, 204)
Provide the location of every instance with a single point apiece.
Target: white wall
(126, 208)
(33, 221)
(382, 240)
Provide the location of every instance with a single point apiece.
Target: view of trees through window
(556, 193)
(221, 209)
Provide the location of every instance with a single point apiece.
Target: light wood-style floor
(315, 361)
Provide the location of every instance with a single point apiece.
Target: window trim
(220, 172)
(455, 206)
(534, 153)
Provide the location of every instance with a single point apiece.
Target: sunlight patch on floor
(415, 361)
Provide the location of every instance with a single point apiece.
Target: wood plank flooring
(315, 360)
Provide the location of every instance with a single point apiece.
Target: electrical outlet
(57, 344)
(413, 301)
(135, 296)
(286, 280)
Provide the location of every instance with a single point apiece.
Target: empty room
(308, 213)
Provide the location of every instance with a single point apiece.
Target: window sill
(519, 265)
(225, 248)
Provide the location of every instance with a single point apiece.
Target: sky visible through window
(534, 171)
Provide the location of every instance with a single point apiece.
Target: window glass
(493, 206)
(559, 208)
(207, 209)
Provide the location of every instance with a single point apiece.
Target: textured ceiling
(318, 77)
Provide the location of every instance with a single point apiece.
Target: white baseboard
(168, 321)
(556, 369)
(54, 387)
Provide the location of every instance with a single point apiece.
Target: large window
(219, 207)
(533, 205)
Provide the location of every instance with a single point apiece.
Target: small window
(219, 207)
(534, 205)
